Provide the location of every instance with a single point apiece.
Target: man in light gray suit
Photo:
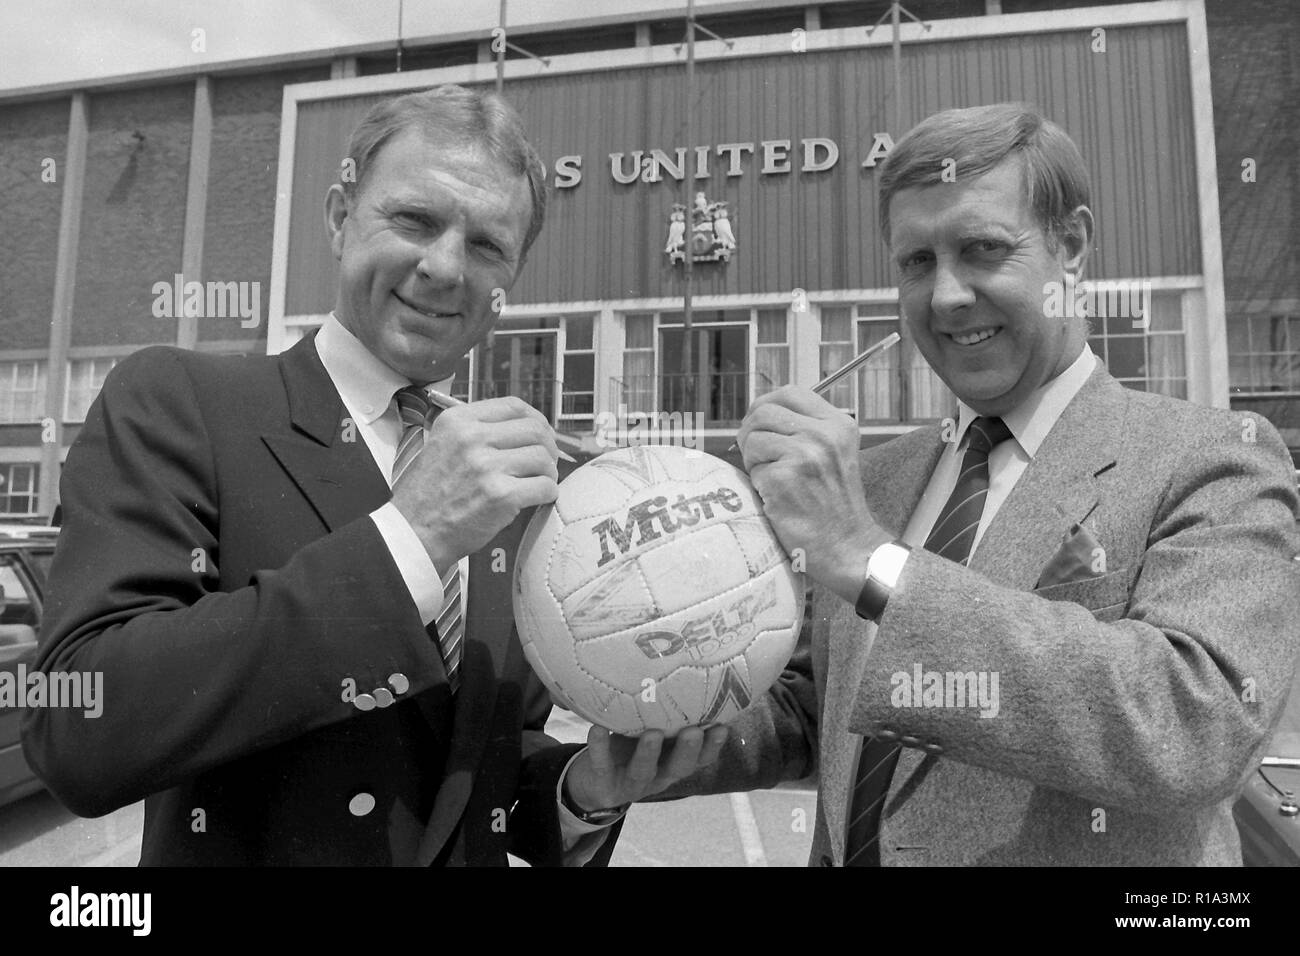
(1056, 631)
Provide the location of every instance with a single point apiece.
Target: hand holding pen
(824, 386)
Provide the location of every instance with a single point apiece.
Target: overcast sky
(58, 41)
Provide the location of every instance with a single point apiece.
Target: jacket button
(399, 683)
(364, 702)
(908, 741)
(885, 734)
(933, 748)
(383, 697)
(361, 804)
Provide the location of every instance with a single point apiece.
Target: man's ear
(1076, 242)
(336, 213)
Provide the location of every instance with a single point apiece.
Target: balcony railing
(722, 397)
(540, 393)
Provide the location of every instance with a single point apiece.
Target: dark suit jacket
(218, 565)
(1134, 697)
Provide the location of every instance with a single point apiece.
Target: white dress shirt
(366, 386)
(1029, 423)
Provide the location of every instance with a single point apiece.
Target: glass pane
(640, 331)
(771, 326)
(579, 373)
(878, 380)
(1127, 356)
(1167, 313)
(580, 404)
(638, 382)
(832, 357)
(460, 387)
(577, 333)
(837, 325)
(773, 369)
(526, 323)
(930, 397)
(717, 383)
(15, 598)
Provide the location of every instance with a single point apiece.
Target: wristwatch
(597, 818)
(883, 570)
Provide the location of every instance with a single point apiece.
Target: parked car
(1268, 813)
(25, 554)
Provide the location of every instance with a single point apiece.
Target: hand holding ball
(653, 594)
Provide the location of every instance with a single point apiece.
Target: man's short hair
(981, 137)
(460, 116)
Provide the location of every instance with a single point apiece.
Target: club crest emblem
(710, 238)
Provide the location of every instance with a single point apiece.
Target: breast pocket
(1106, 596)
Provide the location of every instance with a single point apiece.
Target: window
(85, 379)
(895, 386)
(722, 378)
(578, 374)
(1264, 352)
(1151, 359)
(18, 606)
(22, 392)
(771, 352)
(636, 391)
(18, 489)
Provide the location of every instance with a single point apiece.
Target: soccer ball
(653, 594)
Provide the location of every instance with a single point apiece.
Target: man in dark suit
(1058, 630)
(302, 665)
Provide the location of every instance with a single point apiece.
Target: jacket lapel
(1059, 488)
(337, 474)
(333, 468)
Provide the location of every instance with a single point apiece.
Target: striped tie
(415, 409)
(951, 537)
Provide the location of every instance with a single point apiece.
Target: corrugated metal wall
(1129, 108)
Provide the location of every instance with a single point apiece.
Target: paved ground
(768, 828)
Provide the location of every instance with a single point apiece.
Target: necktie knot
(986, 434)
(413, 405)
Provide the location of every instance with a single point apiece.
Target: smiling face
(423, 246)
(972, 263)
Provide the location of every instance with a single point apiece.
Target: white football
(653, 593)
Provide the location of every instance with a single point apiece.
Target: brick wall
(133, 213)
(241, 189)
(29, 218)
(1255, 71)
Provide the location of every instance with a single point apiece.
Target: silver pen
(443, 400)
(822, 387)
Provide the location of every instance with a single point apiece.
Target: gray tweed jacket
(1137, 597)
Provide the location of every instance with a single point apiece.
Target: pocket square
(1080, 558)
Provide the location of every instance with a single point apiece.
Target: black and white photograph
(651, 433)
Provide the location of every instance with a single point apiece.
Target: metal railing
(541, 393)
(722, 397)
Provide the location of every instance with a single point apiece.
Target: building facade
(186, 210)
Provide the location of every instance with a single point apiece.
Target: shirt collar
(1032, 419)
(365, 383)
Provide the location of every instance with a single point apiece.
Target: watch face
(886, 564)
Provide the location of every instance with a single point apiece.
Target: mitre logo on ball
(653, 593)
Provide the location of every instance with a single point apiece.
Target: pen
(443, 400)
(824, 385)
